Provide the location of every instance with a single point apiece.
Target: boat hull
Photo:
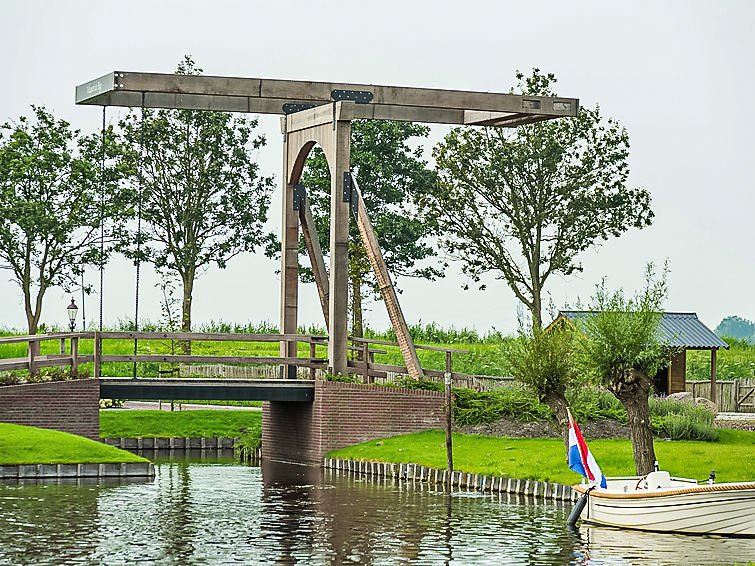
(723, 509)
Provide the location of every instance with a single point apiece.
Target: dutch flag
(580, 458)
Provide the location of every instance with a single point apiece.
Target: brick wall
(70, 406)
(343, 414)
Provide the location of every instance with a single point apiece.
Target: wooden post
(339, 248)
(62, 345)
(366, 360)
(289, 268)
(312, 242)
(97, 354)
(713, 376)
(74, 355)
(312, 355)
(449, 420)
(33, 351)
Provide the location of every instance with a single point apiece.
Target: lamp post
(72, 310)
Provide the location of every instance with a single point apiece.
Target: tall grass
(738, 362)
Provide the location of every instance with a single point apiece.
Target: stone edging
(43, 471)
(150, 443)
(492, 484)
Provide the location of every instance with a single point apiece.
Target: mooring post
(449, 420)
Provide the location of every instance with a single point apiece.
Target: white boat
(658, 502)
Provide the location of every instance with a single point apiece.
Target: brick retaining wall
(343, 414)
(68, 406)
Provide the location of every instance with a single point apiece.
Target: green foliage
(50, 207)
(543, 360)
(433, 333)
(341, 378)
(589, 403)
(203, 199)
(550, 190)
(682, 420)
(250, 439)
(620, 333)
(476, 407)
(738, 362)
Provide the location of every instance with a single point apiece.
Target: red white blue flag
(580, 458)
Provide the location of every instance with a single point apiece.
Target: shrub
(251, 439)
(679, 420)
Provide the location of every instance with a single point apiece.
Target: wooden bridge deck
(207, 389)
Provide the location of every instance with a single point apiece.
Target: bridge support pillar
(343, 414)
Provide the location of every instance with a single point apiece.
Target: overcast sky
(678, 75)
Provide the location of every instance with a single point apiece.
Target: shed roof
(677, 329)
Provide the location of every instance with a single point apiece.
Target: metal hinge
(358, 96)
(291, 107)
(300, 193)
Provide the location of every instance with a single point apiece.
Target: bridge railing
(363, 363)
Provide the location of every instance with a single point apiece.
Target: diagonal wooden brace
(404, 339)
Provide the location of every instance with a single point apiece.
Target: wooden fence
(731, 396)
(230, 366)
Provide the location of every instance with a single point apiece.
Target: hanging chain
(139, 231)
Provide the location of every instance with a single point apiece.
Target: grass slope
(29, 445)
(180, 424)
(733, 457)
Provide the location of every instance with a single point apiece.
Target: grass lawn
(180, 424)
(733, 456)
(29, 445)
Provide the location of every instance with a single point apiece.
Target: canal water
(211, 510)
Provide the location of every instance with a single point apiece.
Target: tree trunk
(556, 401)
(357, 327)
(633, 390)
(188, 284)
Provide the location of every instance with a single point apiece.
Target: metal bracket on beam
(300, 193)
(349, 192)
(357, 96)
(290, 107)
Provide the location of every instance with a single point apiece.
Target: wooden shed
(680, 331)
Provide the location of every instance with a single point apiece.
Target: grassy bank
(543, 459)
(181, 424)
(29, 445)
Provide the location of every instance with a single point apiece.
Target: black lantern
(72, 310)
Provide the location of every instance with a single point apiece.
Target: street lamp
(72, 310)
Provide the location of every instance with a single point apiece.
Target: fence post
(713, 393)
(366, 360)
(74, 355)
(736, 395)
(33, 351)
(312, 355)
(62, 345)
(449, 420)
(97, 354)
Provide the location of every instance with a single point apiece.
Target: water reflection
(214, 511)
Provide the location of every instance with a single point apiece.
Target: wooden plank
(192, 359)
(228, 93)
(417, 346)
(97, 354)
(289, 306)
(312, 242)
(211, 337)
(75, 355)
(406, 344)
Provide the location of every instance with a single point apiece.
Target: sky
(678, 75)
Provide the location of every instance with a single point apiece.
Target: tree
(389, 173)
(523, 203)
(737, 327)
(544, 360)
(621, 350)
(50, 204)
(203, 200)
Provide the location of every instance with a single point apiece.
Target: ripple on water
(205, 513)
